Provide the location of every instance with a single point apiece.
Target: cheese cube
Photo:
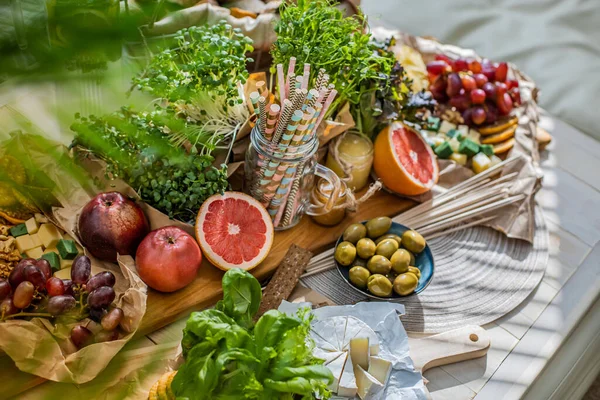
(35, 253)
(32, 225)
(51, 250)
(474, 136)
(53, 259)
(63, 273)
(36, 240)
(464, 130)
(368, 386)
(337, 368)
(481, 162)
(436, 141)
(66, 264)
(380, 369)
(454, 144)
(347, 386)
(49, 235)
(446, 126)
(495, 160)
(459, 158)
(24, 243)
(41, 218)
(359, 351)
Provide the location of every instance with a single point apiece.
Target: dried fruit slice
(13, 168)
(7, 198)
(234, 231)
(404, 161)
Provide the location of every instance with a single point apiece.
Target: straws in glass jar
(287, 124)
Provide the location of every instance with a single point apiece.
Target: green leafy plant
(228, 357)
(364, 73)
(136, 149)
(201, 80)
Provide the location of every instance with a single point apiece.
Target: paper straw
(298, 84)
(284, 118)
(271, 120)
(320, 82)
(303, 127)
(289, 79)
(305, 76)
(312, 124)
(298, 98)
(326, 105)
(277, 200)
(254, 96)
(261, 87)
(281, 83)
(291, 199)
(262, 122)
(311, 99)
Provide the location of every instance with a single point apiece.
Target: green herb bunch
(227, 356)
(206, 58)
(364, 73)
(135, 148)
(201, 78)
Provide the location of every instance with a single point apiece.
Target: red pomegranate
(168, 259)
(112, 223)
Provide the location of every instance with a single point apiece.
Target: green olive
(360, 262)
(400, 261)
(365, 248)
(354, 233)
(389, 236)
(379, 285)
(379, 265)
(345, 253)
(413, 241)
(387, 248)
(415, 271)
(412, 259)
(378, 226)
(359, 276)
(405, 284)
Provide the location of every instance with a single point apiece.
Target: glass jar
(356, 153)
(282, 176)
(321, 194)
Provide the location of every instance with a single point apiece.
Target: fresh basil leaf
(241, 296)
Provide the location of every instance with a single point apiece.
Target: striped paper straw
(305, 76)
(291, 199)
(285, 115)
(281, 83)
(289, 80)
(311, 125)
(303, 127)
(326, 105)
(254, 96)
(262, 122)
(298, 84)
(271, 120)
(278, 200)
(311, 99)
(320, 82)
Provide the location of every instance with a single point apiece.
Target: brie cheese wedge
(380, 369)
(337, 368)
(367, 385)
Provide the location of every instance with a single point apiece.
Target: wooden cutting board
(205, 291)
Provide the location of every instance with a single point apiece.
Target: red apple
(111, 223)
(168, 259)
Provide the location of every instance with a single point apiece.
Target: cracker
(285, 279)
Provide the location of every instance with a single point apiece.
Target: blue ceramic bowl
(424, 261)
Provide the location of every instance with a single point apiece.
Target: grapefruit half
(234, 231)
(404, 161)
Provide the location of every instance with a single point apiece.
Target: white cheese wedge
(324, 335)
(359, 351)
(49, 235)
(366, 383)
(446, 126)
(32, 225)
(337, 368)
(347, 386)
(380, 369)
(357, 328)
(326, 356)
(340, 330)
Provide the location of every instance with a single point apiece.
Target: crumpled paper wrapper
(41, 348)
(515, 220)
(382, 317)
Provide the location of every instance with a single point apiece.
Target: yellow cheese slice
(35, 253)
(24, 243)
(36, 240)
(49, 235)
(31, 225)
(359, 351)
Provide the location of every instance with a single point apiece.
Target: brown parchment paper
(515, 220)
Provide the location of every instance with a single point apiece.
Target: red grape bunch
(480, 90)
(32, 291)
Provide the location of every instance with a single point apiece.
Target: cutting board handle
(449, 347)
